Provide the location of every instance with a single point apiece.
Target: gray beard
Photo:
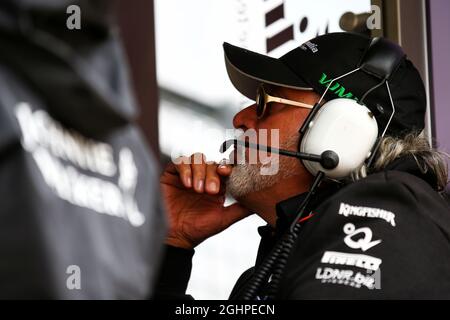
(247, 178)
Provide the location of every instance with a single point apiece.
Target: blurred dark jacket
(80, 214)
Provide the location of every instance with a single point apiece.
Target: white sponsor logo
(350, 259)
(62, 154)
(346, 277)
(364, 243)
(349, 210)
(310, 45)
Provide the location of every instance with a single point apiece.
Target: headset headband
(382, 58)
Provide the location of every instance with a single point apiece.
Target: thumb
(234, 213)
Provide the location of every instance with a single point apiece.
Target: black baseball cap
(312, 66)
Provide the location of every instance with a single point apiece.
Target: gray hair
(416, 145)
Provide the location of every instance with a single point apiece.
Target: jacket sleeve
(375, 239)
(174, 274)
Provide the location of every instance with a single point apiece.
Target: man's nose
(246, 118)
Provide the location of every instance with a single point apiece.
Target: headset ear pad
(345, 127)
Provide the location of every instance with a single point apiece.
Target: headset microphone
(327, 159)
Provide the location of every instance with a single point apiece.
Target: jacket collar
(287, 209)
(410, 165)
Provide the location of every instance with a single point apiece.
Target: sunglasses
(263, 98)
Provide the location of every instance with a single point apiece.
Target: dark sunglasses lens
(260, 102)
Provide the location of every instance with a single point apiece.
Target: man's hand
(194, 193)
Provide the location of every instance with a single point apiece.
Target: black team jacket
(386, 236)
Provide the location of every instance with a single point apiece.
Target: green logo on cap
(336, 88)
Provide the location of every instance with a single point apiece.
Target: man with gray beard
(310, 248)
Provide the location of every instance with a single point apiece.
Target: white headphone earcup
(345, 127)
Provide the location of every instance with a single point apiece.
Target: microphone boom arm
(328, 159)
